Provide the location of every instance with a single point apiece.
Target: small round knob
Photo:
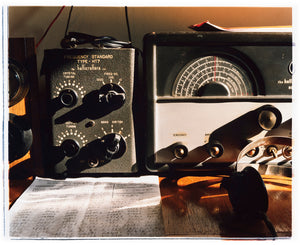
(20, 136)
(215, 149)
(180, 151)
(269, 117)
(68, 97)
(114, 146)
(70, 147)
(267, 120)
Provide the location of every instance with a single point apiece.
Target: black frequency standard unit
(89, 115)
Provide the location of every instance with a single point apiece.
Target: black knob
(114, 146)
(68, 97)
(70, 147)
(20, 137)
(112, 95)
(267, 119)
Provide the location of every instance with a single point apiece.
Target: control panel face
(211, 94)
(232, 126)
(90, 104)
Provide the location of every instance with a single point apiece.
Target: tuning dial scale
(114, 126)
(91, 94)
(66, 85)
(71, 134)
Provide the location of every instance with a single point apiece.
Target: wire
(128, 30)
(73, 39)
(49, 27)
(269, 225)
(67, 27)
(127, 24)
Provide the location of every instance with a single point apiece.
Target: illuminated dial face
(212, 76)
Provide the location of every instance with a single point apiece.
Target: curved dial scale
(71, 134)
(113, 126)
(212, 75)
(69, 84)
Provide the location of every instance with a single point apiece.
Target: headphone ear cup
(247, 192)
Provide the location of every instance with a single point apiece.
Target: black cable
(73, 39)
(127, 24)
(269, 225)
(67, 27)
(128, 30)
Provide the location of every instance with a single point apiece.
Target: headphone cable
(127, 24)
(68, 22)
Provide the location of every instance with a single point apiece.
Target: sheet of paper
(88, 207)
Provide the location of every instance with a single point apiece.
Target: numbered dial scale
(212, 76)
(219, 64)
(90, 111)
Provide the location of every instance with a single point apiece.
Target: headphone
(248, 195)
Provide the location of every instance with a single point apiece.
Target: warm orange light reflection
(277, 183)
(214, 196)
(19, 109)
(190, 180)
(197, 206)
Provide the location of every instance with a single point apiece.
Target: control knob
(112, 95)
(114, 146)
(20, 136)
(70, 147)
(68, 97)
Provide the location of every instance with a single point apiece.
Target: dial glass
(212, 76)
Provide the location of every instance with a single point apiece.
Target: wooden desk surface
(197, 207)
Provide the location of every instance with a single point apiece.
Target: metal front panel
(192, 124)
(84, 74)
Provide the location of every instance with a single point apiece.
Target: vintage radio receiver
(211, 94)
(90, 118)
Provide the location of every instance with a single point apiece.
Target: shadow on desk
(197, 207)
